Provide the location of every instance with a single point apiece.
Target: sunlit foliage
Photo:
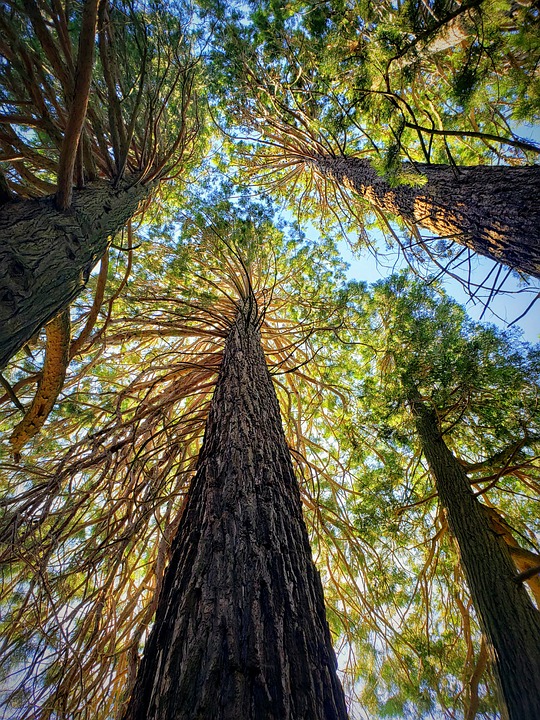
(90, 505)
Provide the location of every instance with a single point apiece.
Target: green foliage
(411, 333)
(87, 518)
(116, 455)
(365, 78)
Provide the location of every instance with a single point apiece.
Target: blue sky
(502, 310)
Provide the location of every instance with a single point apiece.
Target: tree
(321, 92)
(132, 457)
(449, 373)
(114, 132)
(509, 619)
(90, 510)
(490, 210)
(240, 628)
(89, 514)
(48, 255)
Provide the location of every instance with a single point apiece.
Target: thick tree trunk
(508, 617)
(240, 630)
(46, 255)
(493, 210)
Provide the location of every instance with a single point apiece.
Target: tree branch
(77, 113)
(52, 380)
(521, 144)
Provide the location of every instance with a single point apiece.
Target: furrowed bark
(46, 255)
(493, 210)
(240, 630)
(508, 617)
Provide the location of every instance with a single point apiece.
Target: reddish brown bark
(50, 383)
(493, 210)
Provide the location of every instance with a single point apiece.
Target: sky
(503, 309)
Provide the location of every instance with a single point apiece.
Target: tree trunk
(444, 34)
(508, 617)
(46, 255)
(493, 210)
(240, 630)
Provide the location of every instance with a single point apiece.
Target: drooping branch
(78, 343)
(521, 144)
(50, 384)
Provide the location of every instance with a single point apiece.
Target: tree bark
(240, 629)
(493, 210)
(508, 617)
(46, 255)
(442, 35)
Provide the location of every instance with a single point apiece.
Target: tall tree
(490, 210)
(88, 516)
(240, 628)
(114, 132)
(450, 379)
(131, 458)
(320, 89)
(509, 619)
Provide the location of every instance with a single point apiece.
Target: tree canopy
(221, 118)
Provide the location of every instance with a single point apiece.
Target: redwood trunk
(46, 255)
(508, 617)
(240, 630)
(493, 210)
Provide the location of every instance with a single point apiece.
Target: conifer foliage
(226, 468)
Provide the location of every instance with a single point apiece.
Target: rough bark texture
(493, 210)
(46, 255)
(240, 630)
(509, 620)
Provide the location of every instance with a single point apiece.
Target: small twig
(12, 394)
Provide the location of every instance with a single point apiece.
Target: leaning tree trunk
(492, 210)
(240, 630)
(508, 617)
(46, 255)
